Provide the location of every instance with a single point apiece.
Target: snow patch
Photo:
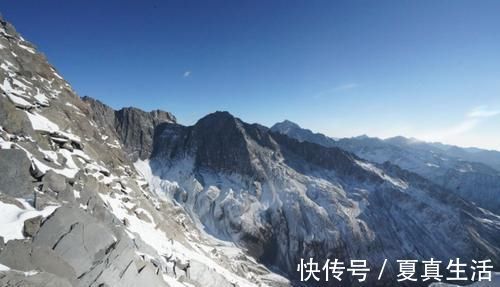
(372, 168)
(4, 268)
(12, 218)
(29, 49)
(41, 123)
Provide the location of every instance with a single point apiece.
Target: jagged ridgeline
(73, 209)
(91, 196)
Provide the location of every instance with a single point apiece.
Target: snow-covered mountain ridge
(463, 172)
(283, 200)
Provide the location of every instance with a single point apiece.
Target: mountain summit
(293, 130)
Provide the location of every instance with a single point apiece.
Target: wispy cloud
(344, 87)
(471, 120)
(187, 74)
(482, 112)
(336, 89)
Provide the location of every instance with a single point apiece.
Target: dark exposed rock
(32, 225)
(134, 127)
(35, 171)
(217, 141)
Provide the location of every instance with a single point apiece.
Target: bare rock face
(217, 141)
(134, 127)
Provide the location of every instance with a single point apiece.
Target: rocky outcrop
(134, 127)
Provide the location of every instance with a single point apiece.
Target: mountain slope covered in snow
(283, 200)
(454, 168)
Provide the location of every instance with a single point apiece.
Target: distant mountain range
(473, 173)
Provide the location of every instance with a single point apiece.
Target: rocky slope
(284, 200)
(456, 169)
(73, 209)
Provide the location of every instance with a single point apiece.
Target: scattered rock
(54, 182)
(142, 216)
(67, 146)
(32, 225)
(42, 279)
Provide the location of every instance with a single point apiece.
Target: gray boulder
(54, 182)
(14, 120)
(15, 179)
(32, 225)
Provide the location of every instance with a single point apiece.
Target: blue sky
(427, 69)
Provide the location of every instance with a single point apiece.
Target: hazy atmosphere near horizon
(423, 69)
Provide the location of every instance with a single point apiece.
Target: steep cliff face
(284, 200)
(133, 127)
(73, 209)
